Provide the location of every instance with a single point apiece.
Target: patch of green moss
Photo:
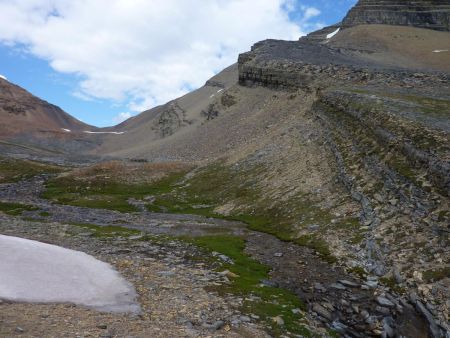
(15, 209)
(436, 275)
(45, 214)
(12, 170)
(317, 244)
(104, 194)
(263, 301)
(392, 284)
(358, 271)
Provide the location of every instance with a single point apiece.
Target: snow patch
(66, 130)
(220, 90)
(441, 50)
(3, 77)
(211, 96)
(37, 272)
(105, 132)
(329, 36)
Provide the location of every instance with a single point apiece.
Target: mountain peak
(432, 14)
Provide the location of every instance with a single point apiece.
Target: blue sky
(141, 53)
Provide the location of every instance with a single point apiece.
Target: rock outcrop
(432, 14)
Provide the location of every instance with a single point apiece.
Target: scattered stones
(278, 254)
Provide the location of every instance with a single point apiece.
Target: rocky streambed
(349, 305)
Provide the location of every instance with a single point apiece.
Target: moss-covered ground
(15, 209)
(13, 170)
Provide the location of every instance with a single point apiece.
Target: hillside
(29, 124)
(313, 174)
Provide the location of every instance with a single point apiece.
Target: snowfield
(329, 36)
(36, 272)
(105, 132)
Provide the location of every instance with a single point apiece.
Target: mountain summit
(433, 14)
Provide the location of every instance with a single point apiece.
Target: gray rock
(432, 14)
(321, 311)
(383, 301)
(338, 286)
(269, 283)
(278, 254)
(388, 324)
(245, 319)
(371, 284)
(319, 287)
(348, 283)
(434, 328)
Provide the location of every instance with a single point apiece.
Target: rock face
(433, 14)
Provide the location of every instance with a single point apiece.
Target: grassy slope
(12, 170)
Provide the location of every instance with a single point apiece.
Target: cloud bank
(144, 52)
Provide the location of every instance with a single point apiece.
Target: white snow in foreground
(3, 77)
(329, 36)
(36, 272)
(441, 50)
(105, 132)
(66, 130)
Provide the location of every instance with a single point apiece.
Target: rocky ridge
(432, 14)
(390, 145)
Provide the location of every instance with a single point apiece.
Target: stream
(350, 306)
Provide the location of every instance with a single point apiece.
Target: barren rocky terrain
(302, 192)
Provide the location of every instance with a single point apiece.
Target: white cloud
(121, 117)
(143, 52)
(3, 77)
(311, 12)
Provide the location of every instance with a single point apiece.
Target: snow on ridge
(66, 130)
(3, 77)
(329, 36)
(441, 50)
(105, 132)
(36, 272)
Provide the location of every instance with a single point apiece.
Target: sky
(103, 61)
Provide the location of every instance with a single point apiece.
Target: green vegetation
(15, 209)
(317, 244)
(246, 276)
(358, 271)
(200, 194)
(12, 170)
(436, 275)
(104, 193)
(392, 284)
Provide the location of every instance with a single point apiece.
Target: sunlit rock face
(432, 14)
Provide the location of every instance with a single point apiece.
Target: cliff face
(381, 93)
(433, 14)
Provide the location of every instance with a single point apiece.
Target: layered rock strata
(432, 14)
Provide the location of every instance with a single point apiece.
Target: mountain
(21, 112)
(339, 142)
(29, 125)
(342, 138)
(432, 14)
